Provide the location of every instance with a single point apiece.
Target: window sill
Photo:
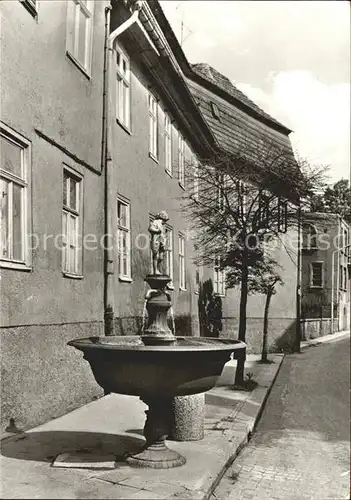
(181, 185)
(30, 7)
(183, 289)
(125, 279)
(78, 65)
(314, 287)
(168, 172)
(124, 127)
(15, 265)
(73, 276)
(153, 157)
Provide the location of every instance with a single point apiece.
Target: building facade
(51, 192)
(325, 274)
(54, 124)
(97, 128)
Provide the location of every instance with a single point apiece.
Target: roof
(213, 76)
(240, 134)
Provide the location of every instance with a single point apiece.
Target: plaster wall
(145, 184)
(53, 104)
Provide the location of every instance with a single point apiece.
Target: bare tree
(236, 202)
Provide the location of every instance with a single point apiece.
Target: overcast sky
(291, 57)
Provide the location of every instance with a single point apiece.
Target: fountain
(157, 365)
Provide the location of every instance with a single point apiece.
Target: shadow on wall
(209, 310)
(281, 334)
(286, 342)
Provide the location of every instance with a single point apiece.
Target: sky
(291, 57)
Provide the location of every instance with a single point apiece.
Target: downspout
(106, 160)
(298, 284)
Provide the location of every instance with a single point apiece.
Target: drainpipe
(298, 285)
(106, 160)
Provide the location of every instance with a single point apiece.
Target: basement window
(215, 111)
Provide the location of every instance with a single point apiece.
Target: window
(182, 284)
(264, 210)
(181, 166)
(309, 237)
(316, 274)
(168, 144)
(14, 198)
(345, 278)
(169, 254)
(80, 32)
(220, 192)
(198, 270)
(153, 126)
(71, 223)
(218, 279)
(122, 88)
(123, 240)
(196, 178)
(341, 277)
(215, 111)
(31, 6)
(345, 241)
(282, 215)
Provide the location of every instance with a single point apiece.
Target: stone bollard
(188, 416)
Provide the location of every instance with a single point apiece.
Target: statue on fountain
(158, 241)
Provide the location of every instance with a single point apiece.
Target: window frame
(24, 182)
(309, 239)
(153, 126)
(168, 144)
(77, 214)
(219, 279)
(196, 186)
(282, 215)
(312, 285)
(74, 8)
(169, 257)
(215, 111)
(181, 261)
(126, 230)
(198, 275)
(181, 160)
(123, 89)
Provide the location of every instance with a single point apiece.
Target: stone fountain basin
(126, 366)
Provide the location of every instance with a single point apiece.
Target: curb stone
(262, 392)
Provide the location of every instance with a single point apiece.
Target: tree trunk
(239, 373)
(265, 325)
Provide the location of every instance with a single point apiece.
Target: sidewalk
(113, 425)
(330, 337)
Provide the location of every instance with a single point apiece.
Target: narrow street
(301, 447)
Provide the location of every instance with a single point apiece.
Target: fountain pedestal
(155, 453)
(158, 303)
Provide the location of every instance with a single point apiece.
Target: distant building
(325, 274)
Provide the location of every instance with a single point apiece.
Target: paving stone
(301, 445)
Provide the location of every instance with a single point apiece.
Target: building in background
(325, 274)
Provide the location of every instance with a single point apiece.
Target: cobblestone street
(300, 449)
